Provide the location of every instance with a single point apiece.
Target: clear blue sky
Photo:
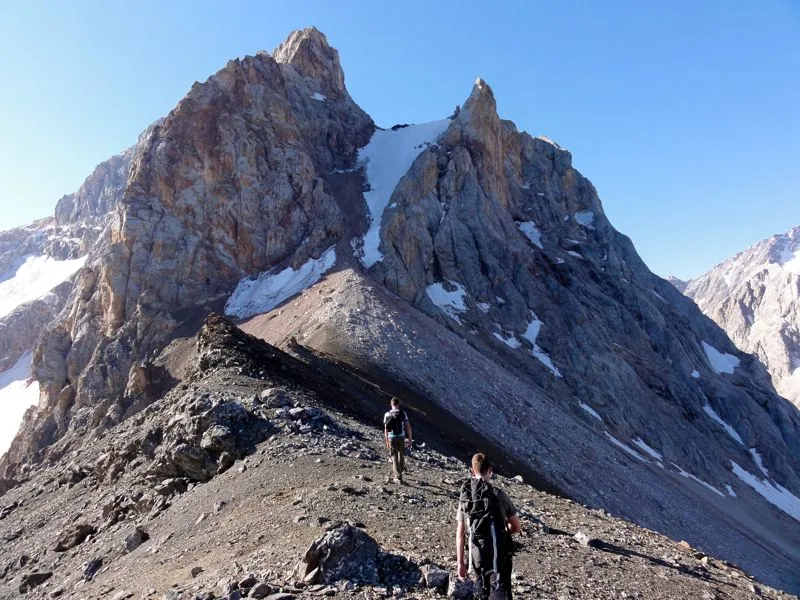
(685, 115)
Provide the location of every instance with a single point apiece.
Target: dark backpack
(395, 423)
(489, 541)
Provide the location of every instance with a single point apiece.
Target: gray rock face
(755, 298)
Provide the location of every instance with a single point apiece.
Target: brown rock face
(235, 180)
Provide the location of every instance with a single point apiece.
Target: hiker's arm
(514, 525)
(462, 566)
(386, 436)
(409, 437)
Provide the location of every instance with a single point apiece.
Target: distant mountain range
(755, 298)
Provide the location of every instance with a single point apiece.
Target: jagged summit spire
(308, 51)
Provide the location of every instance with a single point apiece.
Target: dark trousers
(398, 451)
(494, 586)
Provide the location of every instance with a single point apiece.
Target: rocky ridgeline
(150, 509)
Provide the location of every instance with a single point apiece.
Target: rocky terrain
(755, 298)
(460, 264)
(259, 467)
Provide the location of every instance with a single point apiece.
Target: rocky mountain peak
(308, 51)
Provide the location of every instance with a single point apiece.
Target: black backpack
(395, 423)
(489, 540)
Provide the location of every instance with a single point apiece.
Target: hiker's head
(481, 466)
(395, 402)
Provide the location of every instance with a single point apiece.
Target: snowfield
(451, 303)
(531, 333)
(387, 157)
(33, 278)
(256, 296)
(528, 228)
(16, 396)
(720, 361)
(728, 429)
(775, 494)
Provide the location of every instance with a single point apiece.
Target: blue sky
(685, 115)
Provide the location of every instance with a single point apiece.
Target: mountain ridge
(491, 245)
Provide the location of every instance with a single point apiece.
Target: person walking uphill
(397, 434)
(489, 517)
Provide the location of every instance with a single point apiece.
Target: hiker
(397, 434)
(490, 518)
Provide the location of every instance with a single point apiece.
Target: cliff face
(461, 262)
(755, 298)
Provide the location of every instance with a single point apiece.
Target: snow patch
(318, 96)
(585, 218)
(731, 491)
(511, 341)
(728, 429)
(654, 453)
(573, 253)
(531, 333)
(625, 448)
(32, 278)
(590, 410)
(698, 480)
(696, 374)
(720, 361)
(759, 463)
(451, 303)
(790, 261)
(775, 494)
(387, 157)
(265, 292)
(16, 396)
(531, 232)
(483, 306)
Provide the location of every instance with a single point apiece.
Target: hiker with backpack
(397, 434)
(489, 518)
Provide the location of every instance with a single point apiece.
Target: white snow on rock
(484, 306)
(33, 278)
(774, 493)
(759, 463)
(643, 445)
(318, 96)
(451, 303)
(387, 157)
(731, 491)
(720, 361)
(728, 429)
(698, 480)
(591, 411)
(511, 341)
(696, 374)
(265, 292)
(625, 448)
(531, 333)
(790, 260)
(531, 232)
(575, 254)
(16, 396)
(585, 218)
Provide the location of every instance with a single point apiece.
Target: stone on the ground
(344, 552)
(73, 536)
(31, 580)
(460, 590)
(135, 539)
(259, 590)
(436, 577)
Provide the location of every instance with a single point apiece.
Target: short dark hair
(481, 464)
(395, 401)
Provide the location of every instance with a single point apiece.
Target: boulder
(73, 536)
(345, 552)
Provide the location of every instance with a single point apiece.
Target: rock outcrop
(755, 298)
